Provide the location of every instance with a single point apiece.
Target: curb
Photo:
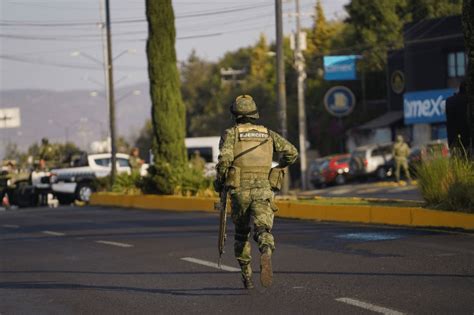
(409, 216)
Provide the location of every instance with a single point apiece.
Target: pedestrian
(197, 162)
(135, 161)
(400, 153)
(244, 166)
(457, 123)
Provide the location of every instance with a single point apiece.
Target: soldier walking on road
(245, 161)
(400, 153)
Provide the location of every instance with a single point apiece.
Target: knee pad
(259, 230)
(242, 235)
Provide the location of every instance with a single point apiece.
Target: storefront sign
(426, 107)
(340, 68)
(397, 82)
(339, 101)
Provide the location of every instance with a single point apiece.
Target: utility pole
(110, 92)
(300, 68)
(281, 88)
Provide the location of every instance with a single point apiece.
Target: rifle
(221, 206)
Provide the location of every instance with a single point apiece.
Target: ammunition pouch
(232, 179)
(276, 177)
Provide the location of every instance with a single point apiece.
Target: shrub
(448, 183)
(128, 184)
(124, 184)
(185, 181)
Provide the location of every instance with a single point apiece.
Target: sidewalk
(383, 190)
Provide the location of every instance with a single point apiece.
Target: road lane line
(11, 226)
(210, 264)
(114, 244)
(370, 307)
(53, 233)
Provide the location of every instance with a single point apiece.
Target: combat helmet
(244, 106)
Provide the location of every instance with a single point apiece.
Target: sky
(57, 44)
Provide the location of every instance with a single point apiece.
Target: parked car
(335, 169)
(367, 160)
(427, 151)
(76, 182)
(315, 170)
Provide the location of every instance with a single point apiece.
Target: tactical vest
(253, 149)
(401, 150)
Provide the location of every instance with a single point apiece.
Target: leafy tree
(261, 65)
(168, 112)
(428, 9)
(201, 89)
(378, 27)
(320, 36)
(11, 152)
(123, 145)
(144, 141)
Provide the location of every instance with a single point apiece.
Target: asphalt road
(108, 261)
(384, 190)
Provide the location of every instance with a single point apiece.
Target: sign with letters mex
(426, 107)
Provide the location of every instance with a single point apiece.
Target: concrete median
(375, 214)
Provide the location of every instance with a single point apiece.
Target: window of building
(456, 64)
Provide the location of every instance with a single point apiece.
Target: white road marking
(114, 243)
(11, 226)
(370, 307)
(53, 233)
(210, 264)
(298, 287)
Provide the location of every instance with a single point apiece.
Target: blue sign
(426, 107)
(339, 101)
(340, 68)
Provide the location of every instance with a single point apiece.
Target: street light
(130, 51)
(78, 53)
(87, 56)
(121, 98)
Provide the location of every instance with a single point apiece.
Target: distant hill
(75, 115)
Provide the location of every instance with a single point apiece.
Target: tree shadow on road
(283, 272)
(44, 285)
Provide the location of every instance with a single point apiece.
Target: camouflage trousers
(248, 204)
(401, 163)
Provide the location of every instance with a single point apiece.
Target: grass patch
(361, 202)
(448, 183)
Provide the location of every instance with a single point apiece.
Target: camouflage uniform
(197, 162)
(400, 153)
(250, 147)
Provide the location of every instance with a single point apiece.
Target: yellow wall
(291, 209)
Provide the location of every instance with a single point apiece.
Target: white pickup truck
(75, 183)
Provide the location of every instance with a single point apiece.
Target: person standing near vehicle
(197, 162)
(400, 153)
(135, 161)
(244, 166)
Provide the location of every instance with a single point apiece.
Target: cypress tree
(168, 112)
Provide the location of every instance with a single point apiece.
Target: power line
(126, 21)
(63, 65)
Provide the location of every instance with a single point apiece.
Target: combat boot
(266, 272)
(246, 272)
